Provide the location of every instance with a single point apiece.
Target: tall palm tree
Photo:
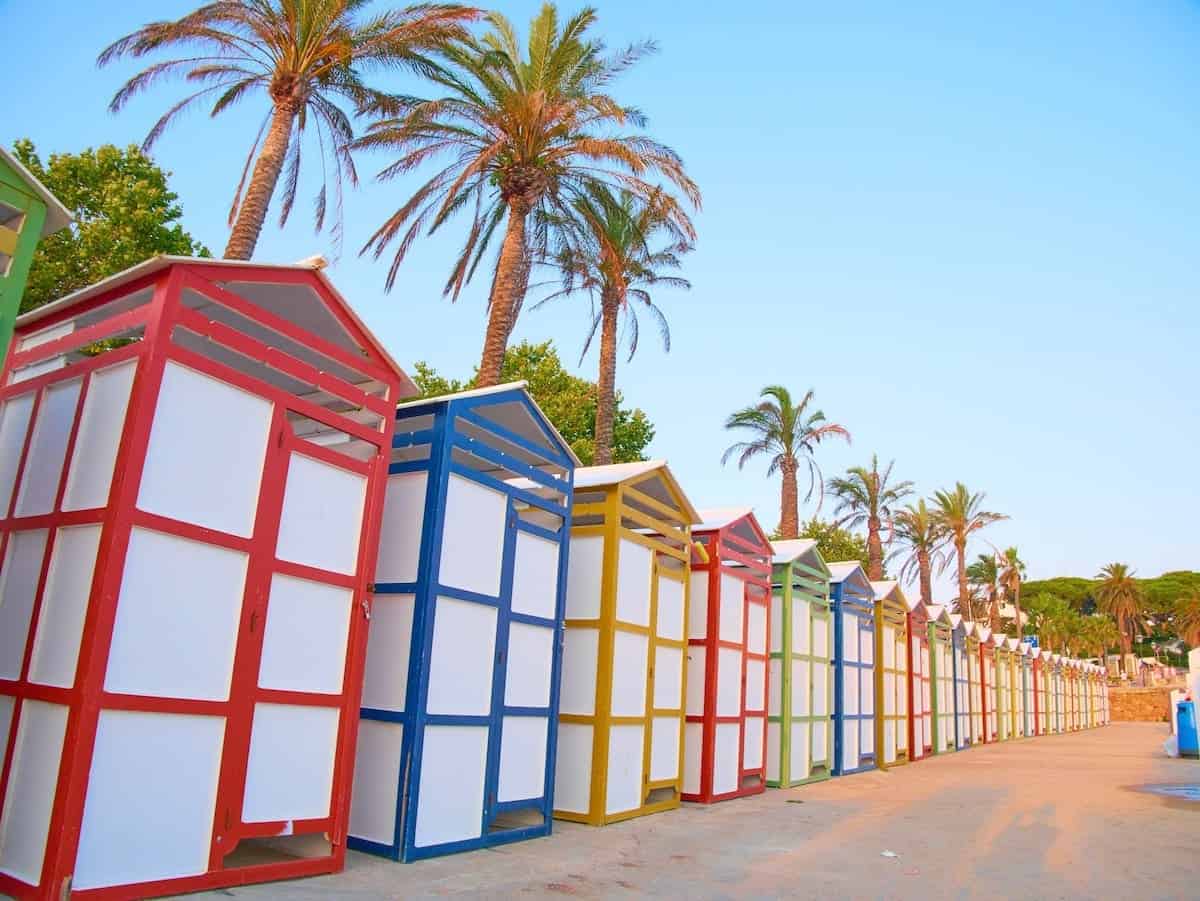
(865, 497)
(787, 433)
(961, 514)
(1187, 617)
(922, 543)
(1012, 571)
(605, 251)
(525, 130)
(1120, 596)
(984, 576)
(309, 57)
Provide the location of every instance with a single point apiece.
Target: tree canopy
(836, 544)
(567, 400)
(124, 210)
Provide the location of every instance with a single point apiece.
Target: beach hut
(1048, 681)
(460, 697)
(1028, 691)
(941, 675)
(891, 673)
(1040, 696)
(800, 683)
(920, 683)
(962, 683)
(1002, 692)
(723, 741)
(1017, 703)
(193, 459)
(1070, 676)
(853, 606)
(621, 707)
(1093, 696)
(1061, 699)
(987, 684)
(1105, 708)
(974, 670)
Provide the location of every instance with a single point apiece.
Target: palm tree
(1012, 571)
(308, 57)
(1187, 617)
(1097, 635)
(865, 497)
(1046, 613)
(526, 130)
(984, 576)
(786, 433)
(960, 513)
(1119, 595)
(922, 541)
(604, 250)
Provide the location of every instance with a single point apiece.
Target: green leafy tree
(1187, 617)
(1120, 596)
(922, 544)
(960, 512)
(836, 544)
(124, 210)
(1047, 614)
(865, 497)
(567, 400)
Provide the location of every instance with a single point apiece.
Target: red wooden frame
(919, 681)
(87, 697)
(751, 563)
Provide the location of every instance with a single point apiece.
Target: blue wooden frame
(958, 651)
(444, 437)
(859, 602)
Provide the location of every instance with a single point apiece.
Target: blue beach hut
(853, 604)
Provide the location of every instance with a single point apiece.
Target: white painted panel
(389, 646)
(322, 515)
(453, 767)
(729, 682)
(573, 768)
(402, 527)
(528, 665)
(889, 694)
(752, 743)
(801, 689)
(850, 745)
(629, 674)
(633, 583)
(849, 637)
(698, 604)
(867, 691)
(376, 781)
(462, 659)
(177, 618)
(668, 678)
(801, 626)
(889, 647)
(625, 752)
(473, 536)
(774, 750)
(776, 623)
(756, 684)
(14, 428)
(822, 636)
(664, 748)
(304, 643)
(850, 691)
(64, 606)
(732, 609)
(7, 705)
(205, 459)
(800, 758)
(822, 677)
(18, 585)
(693, 734)
(577, 693)
(100, 428)
(889, 741)
(669, 622)
(726, 756)
(756, 626)
(775, 686)
(48, 449)
(535, 576)
(522, 758)
(868, 736)
(585, 577)
(822, 751)
(289, 775)
(150, 799)
(32, 781)
(696, 679)
(866, 640)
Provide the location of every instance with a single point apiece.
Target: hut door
(662, 757)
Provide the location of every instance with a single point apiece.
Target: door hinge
(366, 609)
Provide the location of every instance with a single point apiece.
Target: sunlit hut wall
(190, 531)
(460, 700)
(800, 684)
(962, 681)
(1093, 697)
(891, 673)
(620, 739)
(1062, 701)
(1040, 695)
(853, 606)
(728, 609)
(941, 674)
(1002, 689)
(1049, 678)
(920, 682)
(974, 680)
(1016, 689)
(1028, 689)
(987, 683)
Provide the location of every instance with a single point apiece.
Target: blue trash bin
(1189, 741)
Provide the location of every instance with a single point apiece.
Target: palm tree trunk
(874, 550)
(789, 504)
(926, 572)
(606, 387)
(960, 553)
(509, 281)
(253, 210)
(1017, 608)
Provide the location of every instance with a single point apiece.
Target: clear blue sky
(974, 232)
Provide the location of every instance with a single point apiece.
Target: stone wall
(1142, 705)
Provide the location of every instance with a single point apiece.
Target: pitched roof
(57, 215)
(790, 549)
(614, 473)
(712, 518)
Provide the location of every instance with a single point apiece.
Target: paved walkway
(1054, 817)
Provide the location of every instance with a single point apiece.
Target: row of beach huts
(256, 609)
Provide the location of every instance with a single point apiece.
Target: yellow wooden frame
(891, 609)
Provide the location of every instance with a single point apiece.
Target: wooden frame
(920, 685)
(853, 606)
(941, 672)
(891, 674)
(963, 694)
(1029, 705)
(801, 684)
(987, 684)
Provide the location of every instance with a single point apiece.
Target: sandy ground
(1054, 817)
